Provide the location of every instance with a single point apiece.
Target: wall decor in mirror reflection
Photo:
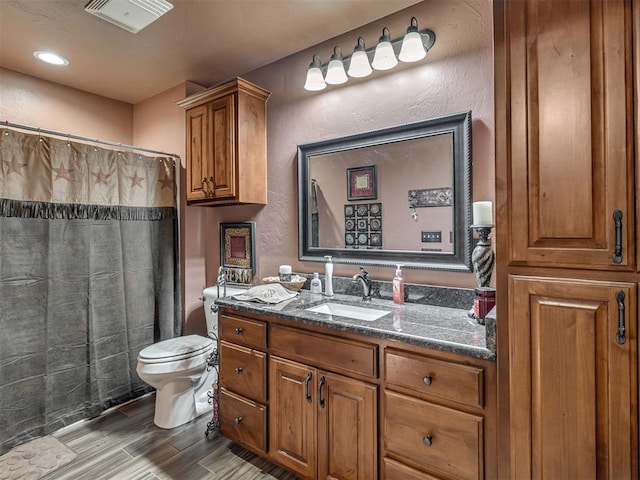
(427, 163)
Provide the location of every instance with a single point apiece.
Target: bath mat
(34, 459)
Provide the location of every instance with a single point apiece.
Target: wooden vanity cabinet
(243, 381)
(330, 414)
(226, 145)
(434, 417)
(322, 421)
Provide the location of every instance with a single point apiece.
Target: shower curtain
(88, 277)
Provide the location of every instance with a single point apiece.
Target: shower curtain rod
(86, 139)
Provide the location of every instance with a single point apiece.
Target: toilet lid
(176, 348)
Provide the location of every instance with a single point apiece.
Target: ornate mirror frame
(459, 125)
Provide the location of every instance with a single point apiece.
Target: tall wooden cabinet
(566, 239)
(226, 145)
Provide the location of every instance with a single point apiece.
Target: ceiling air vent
(132, 15)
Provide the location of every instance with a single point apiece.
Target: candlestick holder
(483, 260)
(483, 257)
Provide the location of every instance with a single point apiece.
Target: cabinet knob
(238, 370)
(238, 331)
(238, 420)
(427, 440)
(428, 379)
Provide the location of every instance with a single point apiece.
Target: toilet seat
(176, 349)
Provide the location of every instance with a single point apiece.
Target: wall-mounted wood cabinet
(226, 145)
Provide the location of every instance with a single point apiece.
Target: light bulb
(359, 65)
(384, 57)
(412, 47)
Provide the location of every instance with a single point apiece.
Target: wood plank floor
(124, 444)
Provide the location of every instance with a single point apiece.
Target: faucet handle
(364, 272)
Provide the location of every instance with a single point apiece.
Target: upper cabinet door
(197, 153)
(567, 88)
(222, 165)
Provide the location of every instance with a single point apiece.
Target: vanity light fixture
(315, 79)
(359, 66)
(411, 48)
(384, 57)
(335, 70)
(51, 58)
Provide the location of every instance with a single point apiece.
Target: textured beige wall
(34, 102)
(456, 76)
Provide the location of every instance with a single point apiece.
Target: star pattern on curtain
(102, 177)
(62, 172)
(166, 182)
(15, 166)
(136, 181)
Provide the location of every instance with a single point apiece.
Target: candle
(482, 213)
(285, 273)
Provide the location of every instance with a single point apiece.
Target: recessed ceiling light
(51, 58)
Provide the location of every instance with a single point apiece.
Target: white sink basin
(349, 311)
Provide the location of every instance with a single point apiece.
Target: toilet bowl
(179, 371)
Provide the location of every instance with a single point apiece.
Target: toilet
(177, 369)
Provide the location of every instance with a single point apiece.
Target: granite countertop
(442, 328)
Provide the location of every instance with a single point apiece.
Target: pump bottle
(328, 277)
(398, 286)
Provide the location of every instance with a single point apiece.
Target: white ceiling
(204, 41)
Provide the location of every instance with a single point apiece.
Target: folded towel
(270, 293)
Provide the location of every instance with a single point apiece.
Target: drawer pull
(307, 395)
(238, 331)
(427, 440)
(621, 337)
(238, 420)
(428, 379)
(320, 385)
(617, 221)
(238, 370)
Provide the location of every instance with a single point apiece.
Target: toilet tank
(209, 296)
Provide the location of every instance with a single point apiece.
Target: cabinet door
(222, 162)
(292, 418)
(347, 428)
(573, 382)
(197, 153)
(569, 125)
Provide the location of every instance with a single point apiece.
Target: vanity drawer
(243, 370)
(398, 471)
(243, 421)
(323, 351)
(434, 437)
(250, 333)
(450, 381)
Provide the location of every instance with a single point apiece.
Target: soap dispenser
(398, 286)
(316, 285)
(328, 277)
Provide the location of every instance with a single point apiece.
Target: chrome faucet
(364, 279)
(222, 281)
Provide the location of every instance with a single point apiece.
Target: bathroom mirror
(396, 195)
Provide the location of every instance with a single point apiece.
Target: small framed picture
(237, 247)
(362, 183)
